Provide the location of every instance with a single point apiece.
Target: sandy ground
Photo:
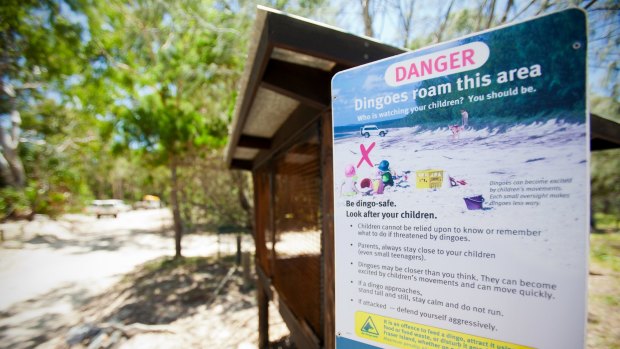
(603, 308)
(604, 292)
(51, 268)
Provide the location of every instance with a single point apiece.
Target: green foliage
(59, 147)
(176, 64)
(605, 165)
(605, 250)
(299, 7)
(606, 107)
(605, 184)
(22, 202)
(43, 53)
(38, 40)
(115, 89)
(12, 201)
(211, 194)
(607, 222)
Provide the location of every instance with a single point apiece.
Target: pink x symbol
(365, 153)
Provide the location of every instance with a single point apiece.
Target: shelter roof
(288, 72)
(604, 133)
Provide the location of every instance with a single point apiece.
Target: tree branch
(589, 4)
(524, 9)
(72, 142)
(367, 17)
(509, 4)
(491, 14)
(480, 9)
(442, 27)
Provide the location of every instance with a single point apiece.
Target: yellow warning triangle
(369, 327)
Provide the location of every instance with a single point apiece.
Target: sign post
(461, 191)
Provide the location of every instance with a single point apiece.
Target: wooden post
(262, 224)
(263, 316)
(219, 241)
(238, 256)
(329, 309)
(247, 270)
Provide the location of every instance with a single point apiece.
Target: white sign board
(461, 192)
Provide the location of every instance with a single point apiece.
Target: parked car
(372, 130)
(108, 208)
(148, 202)
(122, 206)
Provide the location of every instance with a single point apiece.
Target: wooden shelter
(282, 132)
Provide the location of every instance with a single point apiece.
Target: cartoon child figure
(464, 118)
(384, 174)
(348, 186)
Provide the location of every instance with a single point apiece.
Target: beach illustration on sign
(466, 180)
(429, 167)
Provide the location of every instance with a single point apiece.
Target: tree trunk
(509, 4)
(443, 25)
(174, 202)
(523, 10)
(491, 14)
(12, 171)
(117, 188)
(406, 17)
(240, 180)
(367, 17)
(480, 11)
(187, 212)
(543, 7)
(5, 170)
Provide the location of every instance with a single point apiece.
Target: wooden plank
(254, 142)
(259, 63)
(307, 100)
(604, 133)
(299, 121)
(261, 216)
(325, 42)
(262, 287)
(301, 333)
(305, 84)
(263, 317)
(272, 218)
(338, 68)
(327, 208)
(241, 164)
(264, 281)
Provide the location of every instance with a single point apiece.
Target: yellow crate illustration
(429, 179)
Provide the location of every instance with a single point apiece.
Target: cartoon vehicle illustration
(372, 130)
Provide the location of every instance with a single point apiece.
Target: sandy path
(49, 269)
